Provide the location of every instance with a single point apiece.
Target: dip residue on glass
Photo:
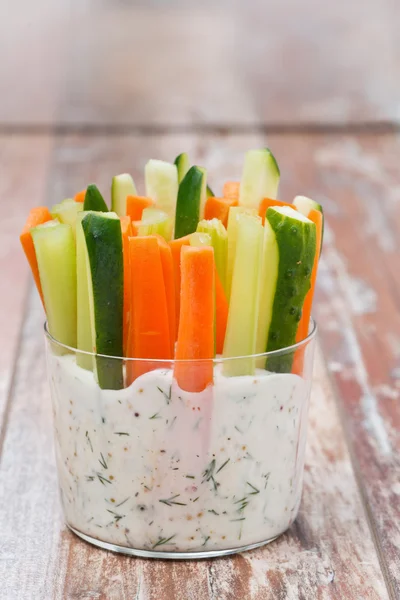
(152, 467)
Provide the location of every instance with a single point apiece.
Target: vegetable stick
(241, 331)
(135, 227)
(155, 221)
(169, 284)
(260, 178)
(302, 331)
(94, 200)
(135, 206)
(161, 180)
(218, 208)
(219, 241)
(122, 186)
(176, 246)
(126, 231)
(80, 196)
(84, 327)
(190, 199)
(149, 327)
(231, 190)
(37, 216)
(267, 202)
(234, 212)
(196, 323)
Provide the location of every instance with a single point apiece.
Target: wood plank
(186, 63)
(327, 554)
(22, 185)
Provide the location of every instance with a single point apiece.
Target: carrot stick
(221, 313)
(126, 231)
(231, 190)
(196, 323)
(302, 331)
(80, 196)
(176, 246)
(167, 264)
(36, 217)
(148, 336)
(266, 203)
(135, 227)
(218, 208)
(135, 206)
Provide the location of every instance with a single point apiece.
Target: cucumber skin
(94, 200)
(296, 244)
(209, 192)
(188, 203)
(104, 245)
(182, 163)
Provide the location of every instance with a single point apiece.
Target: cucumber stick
(55, 253)
(295, 237)
(234, 213)
(209, 192)
(260, 178)
(94, 200)
(188, 205)
(304, 205)
(219, 241)
(268, 277)
(155, 221)
(161, 180)
(84, 329)
(106, 281)
(182, 163)
(241, 330)
(67, 212)
(121, 187)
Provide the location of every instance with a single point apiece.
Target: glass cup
(158, 469)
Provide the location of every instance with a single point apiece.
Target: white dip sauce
(153, 467)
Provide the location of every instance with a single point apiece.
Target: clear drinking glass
(156, 471)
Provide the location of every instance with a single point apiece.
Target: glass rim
(218, 360)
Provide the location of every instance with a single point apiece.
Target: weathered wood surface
(345, 542)
(181, 63)
(18, 194)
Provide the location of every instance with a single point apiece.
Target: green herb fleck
(121, 433)
(102, 461)
(123, 502)
(117, 517)
(88, 440)
(195, 500)
(190, 477)
(205, 540)
(102, 479)
(255, 490)
(208, 474)
(214, 512)
(155, 416)
(235, 520)
(223, 465)
(89, 477)
(166, 396)
(266, 479)
(162, 541)
(171, 501)
(237, 429)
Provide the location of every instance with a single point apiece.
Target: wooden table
(90, 89)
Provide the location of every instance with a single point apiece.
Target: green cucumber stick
(156, 221)
(304, 205)
(268, 277)
(121, 187)
(182, 163)
(161, 180)
(296, 242)
(94, 200)
(234, 213)
(241, 330)
(55, 253)
(189, 201)
(67, 212)
(209, 192)
(260, 178)
(84, 332)
(103, 237)
(219, 241)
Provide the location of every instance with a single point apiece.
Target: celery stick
(268, 277)
(156, 221)
(241, 331)
(234, 212)
(55, 253)
(162, 185)
(219, 241)
(84, 334)
(121, 187)
(200, 239)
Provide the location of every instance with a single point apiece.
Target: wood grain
(329, 552)
(188, 63)
(29, 157)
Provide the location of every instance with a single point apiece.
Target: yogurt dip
(152, 467)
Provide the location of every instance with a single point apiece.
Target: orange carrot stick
(169, 283)
(176, 247)
(135, 227)
(221, 313)
(267, 202)
(231, 190)
(80, 196)
(135, 206)
(36, 217)
(218, 208)
(148, 336)
(126, 230)
(196, 323)
(316, 217)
